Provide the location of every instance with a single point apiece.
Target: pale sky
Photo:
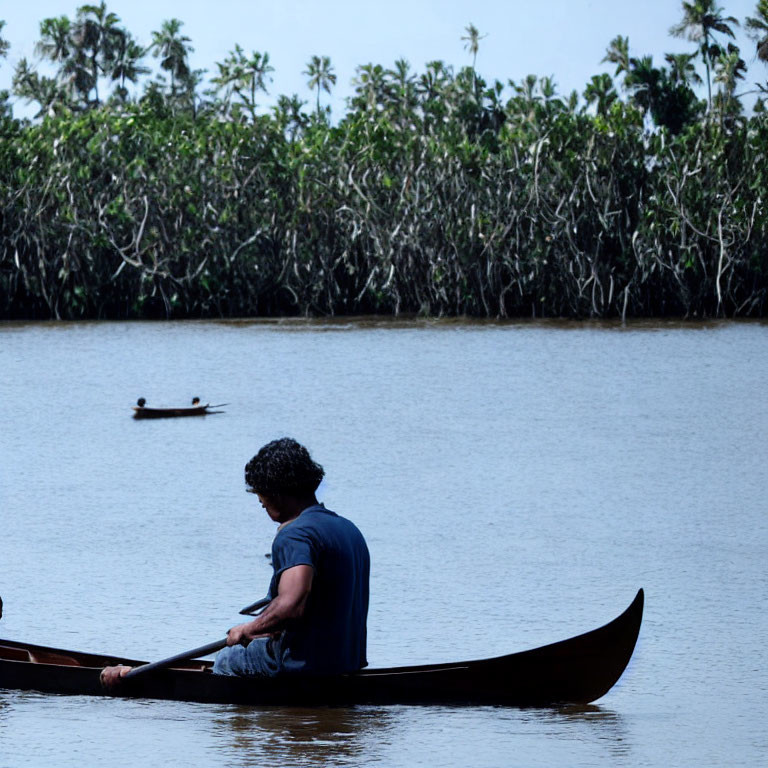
(561, 38)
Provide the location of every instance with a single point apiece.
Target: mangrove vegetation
(142, 190)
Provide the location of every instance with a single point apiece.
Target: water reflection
(319, 736)
(589, 723)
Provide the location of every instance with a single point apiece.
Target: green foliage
(4, 44)
(757, 28)
(435, 194)
(5, 110)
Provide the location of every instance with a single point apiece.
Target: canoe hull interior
(575, 671)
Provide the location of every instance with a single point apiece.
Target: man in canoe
(315, 623)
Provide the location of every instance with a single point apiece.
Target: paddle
(249, 609)
(203, 650)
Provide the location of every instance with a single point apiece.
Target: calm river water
(516, 484)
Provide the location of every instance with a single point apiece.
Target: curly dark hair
(283, 466)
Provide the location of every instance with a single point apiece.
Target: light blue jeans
(260, 658)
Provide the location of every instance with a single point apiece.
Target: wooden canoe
(575, 671)
(169, 413)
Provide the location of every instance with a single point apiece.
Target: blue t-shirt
(330, 638)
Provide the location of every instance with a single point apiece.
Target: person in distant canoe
(195, 402)
(315, 623)
(141, 402)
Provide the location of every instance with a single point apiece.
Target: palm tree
(55, 43)
(431, 88)
(97, 38)
(729, 69)
(24, 81)
(472, 42)
(126, 66)
(5, 109)
(224, 80)
(257, 70)
(758, 29)
(288, 112)
(173, 50)
(618, 54)
(681, 69)
(371, 87)
(526, 90)
(77, 77)
(243, 76)
(403, 89)
(401, 75)
(28, 85)
(4, 48)
(321, 75)
(548, 88)
(645, 83)
(434, 80)
(702, 18)
(600, 91)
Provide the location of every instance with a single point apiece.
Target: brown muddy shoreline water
(517, 481)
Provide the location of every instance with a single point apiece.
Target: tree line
(435, 193)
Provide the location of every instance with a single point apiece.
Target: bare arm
(292, 593)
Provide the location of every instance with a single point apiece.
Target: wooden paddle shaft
(203, 650)
(259, 604)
